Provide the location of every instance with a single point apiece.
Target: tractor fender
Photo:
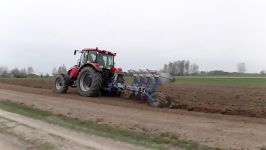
(93, 65)
(73, 72)
(117, 70)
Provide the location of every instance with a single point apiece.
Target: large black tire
(89, 82)
(61, 84)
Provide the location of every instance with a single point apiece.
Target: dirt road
(36, 134)
(215, 130)
(11, 143)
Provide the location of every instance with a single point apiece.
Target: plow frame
(145, 85)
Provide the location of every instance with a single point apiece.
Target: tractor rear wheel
(60, 84)
(89, 82)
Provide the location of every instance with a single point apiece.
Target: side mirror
(75, 52)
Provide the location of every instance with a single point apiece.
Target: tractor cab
(98, 58)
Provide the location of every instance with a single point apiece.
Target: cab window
(92, 56)
(84, 58)
(107, 61)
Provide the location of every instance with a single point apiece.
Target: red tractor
(94, 74)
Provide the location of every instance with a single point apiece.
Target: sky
(215, 34)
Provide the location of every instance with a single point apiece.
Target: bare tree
(171, 68)
(241, 68)
(62, 69)
(194, 69)
(23, 73)
(3, 71)
(174, 68)
(165, 67)
(180, 67)
(47, 75)
(54, 72)
(262, 72)
(187, 65)
(30, 70)
(15, 72)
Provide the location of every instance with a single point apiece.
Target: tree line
(59, 70)
(185, 68)
(29, 72)
(16, 72)
(176, 68)
(181, 68)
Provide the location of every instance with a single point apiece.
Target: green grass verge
(223, 81)
(3, 130)
(137, 138)
(238, 81)
(46, 146)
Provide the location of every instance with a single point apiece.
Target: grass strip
(237, 82)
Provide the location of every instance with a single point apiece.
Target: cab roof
(99, 50)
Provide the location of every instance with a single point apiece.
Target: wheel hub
(58, 84)
(85, 82)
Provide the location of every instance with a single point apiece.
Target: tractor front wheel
(89, 82)
(60, 84)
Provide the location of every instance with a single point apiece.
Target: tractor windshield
(107, 61)
(83, 58)
(88, 57)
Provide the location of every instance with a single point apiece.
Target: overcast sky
(215, 34)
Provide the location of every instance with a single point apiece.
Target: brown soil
(36, 83)
(242, 101)
(217, 99)
(214, 130)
